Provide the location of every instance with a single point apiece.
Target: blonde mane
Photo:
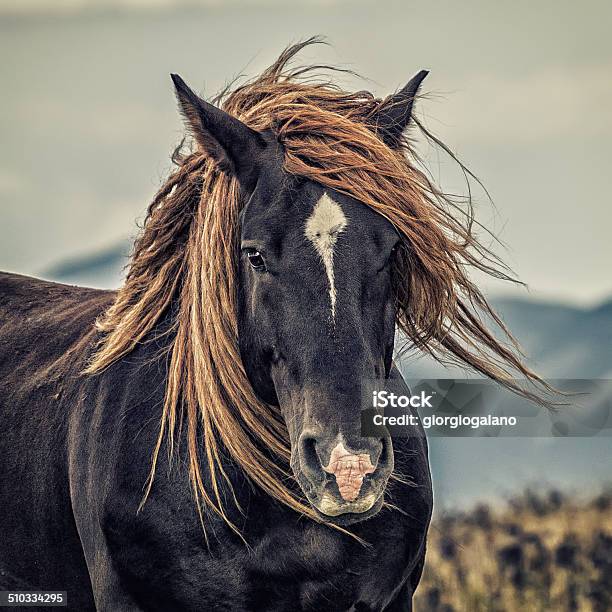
(186, 260)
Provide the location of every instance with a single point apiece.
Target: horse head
(315, 306)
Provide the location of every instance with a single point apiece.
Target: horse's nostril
(386, 453)
(384, 458)
(308, 455)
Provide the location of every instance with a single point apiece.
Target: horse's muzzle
(344, 476)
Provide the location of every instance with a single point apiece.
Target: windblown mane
(186, 257)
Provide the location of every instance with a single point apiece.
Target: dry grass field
(541, 551)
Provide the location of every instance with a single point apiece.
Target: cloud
(552, 103)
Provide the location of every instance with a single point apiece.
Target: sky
(521, 91)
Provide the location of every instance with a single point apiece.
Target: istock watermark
(481, 408)
(383, 399)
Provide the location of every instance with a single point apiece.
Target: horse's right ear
(232, 144)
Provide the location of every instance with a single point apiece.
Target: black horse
(304, 308)
(76, 450)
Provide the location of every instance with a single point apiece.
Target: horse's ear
(395, 111)
(232, 144)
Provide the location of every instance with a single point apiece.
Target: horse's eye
(391, 257)
(394, 252)
(257, 261)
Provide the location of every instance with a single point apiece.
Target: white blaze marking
(323, 227)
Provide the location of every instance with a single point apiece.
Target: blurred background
(522, 92)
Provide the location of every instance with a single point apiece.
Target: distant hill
(563, 341)
(560, 341)
(102, 269)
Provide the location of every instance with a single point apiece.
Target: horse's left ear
(232, 144)
(395, 111)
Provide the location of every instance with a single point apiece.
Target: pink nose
(349, 470)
